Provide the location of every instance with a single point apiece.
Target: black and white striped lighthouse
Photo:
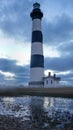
(37, 58)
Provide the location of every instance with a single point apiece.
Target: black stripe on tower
(37, 61)
(36, 12)
(37, 36)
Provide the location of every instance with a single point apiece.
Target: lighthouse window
(51, 81)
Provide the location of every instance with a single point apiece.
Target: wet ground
(36, 113)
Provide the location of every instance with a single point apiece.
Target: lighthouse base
(36, 84)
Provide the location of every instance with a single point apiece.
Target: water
(41, 111)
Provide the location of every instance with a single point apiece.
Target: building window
(51, 82)
(46, 81)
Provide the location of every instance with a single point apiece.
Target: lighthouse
(37, 58)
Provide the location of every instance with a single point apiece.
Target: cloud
(50, 51)
(15, 18)
(59, 63)
(66, 49)
(13, 48)
(67, 78)
(8, 69)
(1, 78)
(7, 74)
(52, 8)
(60, 29)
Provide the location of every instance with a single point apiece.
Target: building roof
(55, 78)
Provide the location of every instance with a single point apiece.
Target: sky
(15, 39)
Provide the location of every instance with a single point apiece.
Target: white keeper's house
(51, 81)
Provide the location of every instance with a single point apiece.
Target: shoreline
(63, 92)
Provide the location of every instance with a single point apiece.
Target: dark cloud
(7, 65)
(15, 21)
(59, 64)
(21, 72)
(58, 30)
(67, 78)
(66, 48)
(15, 18)
(1, 78)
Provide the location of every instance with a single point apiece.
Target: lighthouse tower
(37, 58)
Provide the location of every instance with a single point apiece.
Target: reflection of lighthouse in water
(37, 58)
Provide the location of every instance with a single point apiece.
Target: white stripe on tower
(35, 49)
(36, 24)
(37, 58)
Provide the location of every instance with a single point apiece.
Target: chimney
(54, 75)
(49, 74)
